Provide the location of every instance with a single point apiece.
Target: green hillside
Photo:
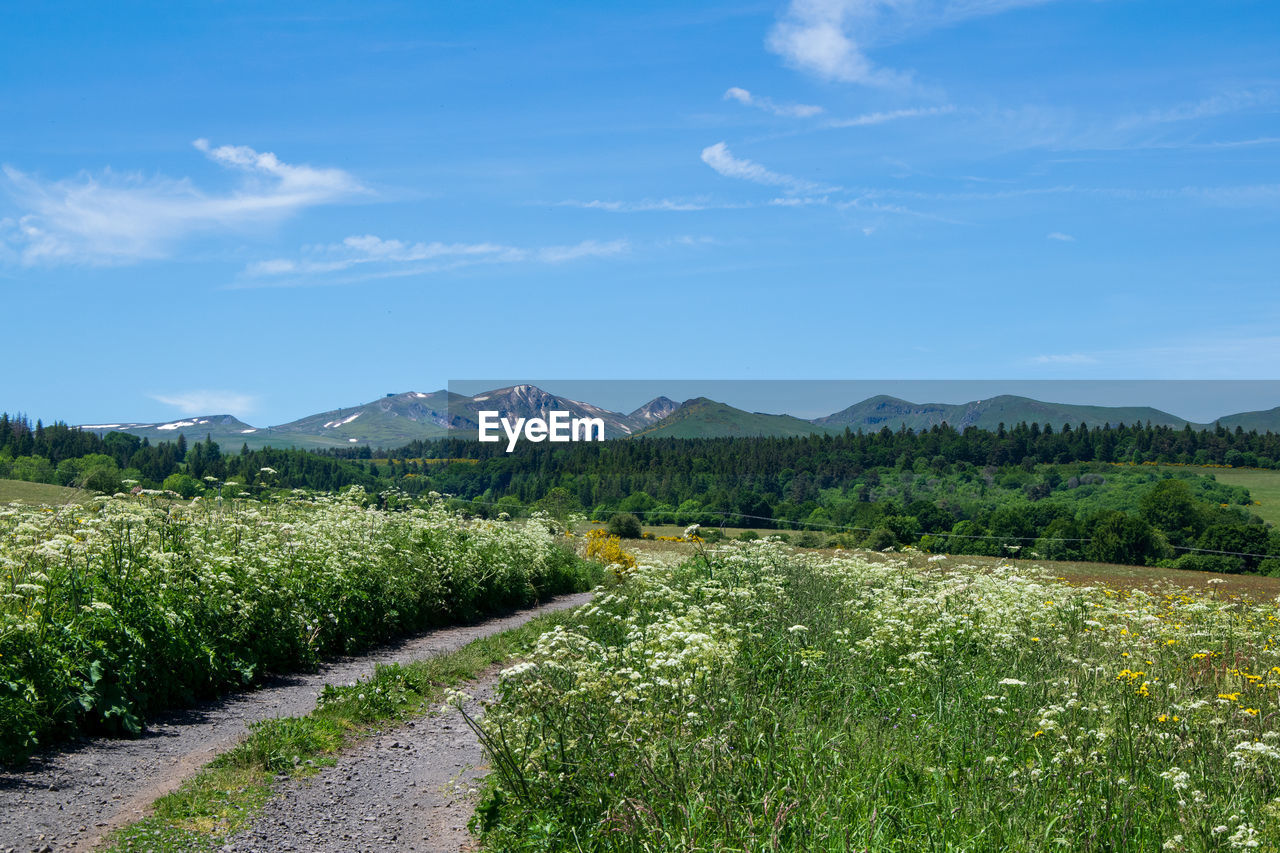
(884, 411)
(1264, 421)
(227, 430)
(393, 420)
(38, 493)
(703, 418)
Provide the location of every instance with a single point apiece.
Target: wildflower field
(757, 698)
(124, 606)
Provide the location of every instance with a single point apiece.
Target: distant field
(1263, 485)
(1077, 573)
(730, 532)
(38, 493)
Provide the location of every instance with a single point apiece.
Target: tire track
(410, 789)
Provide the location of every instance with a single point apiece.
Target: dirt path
(410, 790)
(70, 799)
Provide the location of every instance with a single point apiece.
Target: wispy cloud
(720, 158)
(120, 219)
(585, 249)
(1058, 235)
(1065, 358)
(1221, 104)
(644, 205)
(205, 402)
(769, 105)
(1224, 353)
(829, 38)
(370, 249)
(868, 119)
(382, 257)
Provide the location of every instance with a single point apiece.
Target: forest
(1067, 494)
(1071, 493)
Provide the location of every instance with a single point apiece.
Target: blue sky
(276, 209)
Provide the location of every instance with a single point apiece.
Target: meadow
(21, 491)
(120, 607)
(1263, 485)
(754, 697)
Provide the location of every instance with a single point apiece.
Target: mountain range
(397, 419)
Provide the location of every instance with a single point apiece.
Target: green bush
(102, 479)
(624, 525)
(184, 484)
(879, 539)
(1209, 563)
(809, 539)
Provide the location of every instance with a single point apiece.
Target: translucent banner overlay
(709, 407)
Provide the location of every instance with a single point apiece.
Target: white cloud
(1065, 358)
(384, 257)
(720, 158)
(120, 219)
(868, 119)
(1222, 353)
(1058, 235)
(799, 201)
(644, 205)
(585, 249)
(829, 38)
(742, 96)
(206, 402)
(1221, 104)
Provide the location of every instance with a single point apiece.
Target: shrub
(1270, 567)
(879, 539)
(102, 479)
(183, 484)
(809, 539)
(624, 525)
(1209, 563)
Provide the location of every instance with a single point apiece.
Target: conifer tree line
(66, 456)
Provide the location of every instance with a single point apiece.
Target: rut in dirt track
(68, 800)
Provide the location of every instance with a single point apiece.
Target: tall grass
(111, 611)
(761, 700)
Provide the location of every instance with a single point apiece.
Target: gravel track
(410, 789)
(69, 799)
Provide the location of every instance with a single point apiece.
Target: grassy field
(1071, 572)
(1263, 485)
(763, 698)
(38, 493)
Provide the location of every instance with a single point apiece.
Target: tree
(1238, 540)
(102, 478)
(35, 469)
(558, 503)
(1170, 506)
(183, 484)
(1122, 538)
